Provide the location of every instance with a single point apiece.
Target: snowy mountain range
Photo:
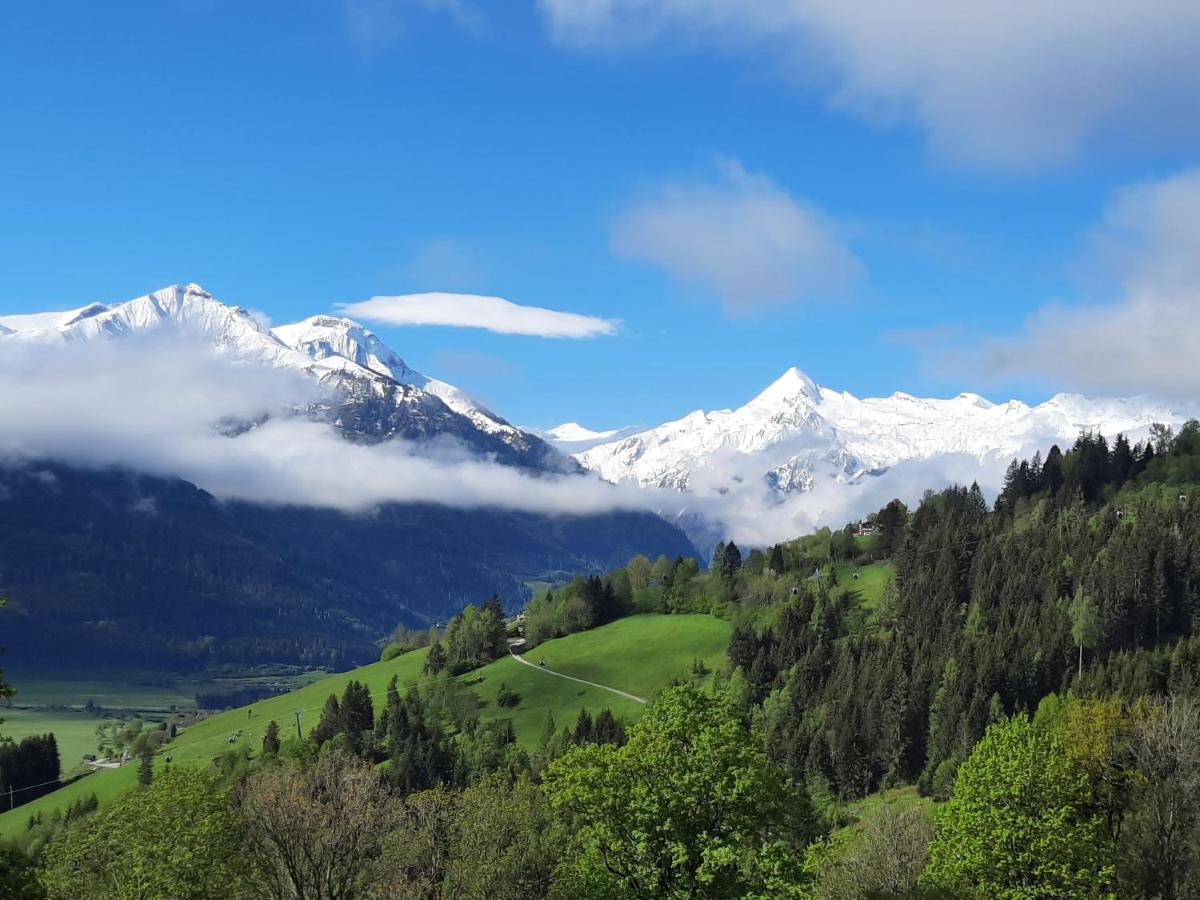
(732, 464)
(372, 393)
(796, 431)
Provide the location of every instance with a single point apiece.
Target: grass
(34, 691)
(139, 691)
(201, 742)
(540, 694)
(639, 654)
(537, 588)
(871, 581)
(74, 730)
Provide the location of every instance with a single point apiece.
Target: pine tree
(358, 714)
(331, 722)
(775, 562)
(271, 742)
(585, 731)
(1085, 624)
(146, 767)
(436, 660)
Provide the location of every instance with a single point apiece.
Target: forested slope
(1097, 547)
(108, 568)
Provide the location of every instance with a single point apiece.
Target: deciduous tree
(690, 806)
(1021, 823)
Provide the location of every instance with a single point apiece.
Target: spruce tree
(436, 660)
(146, 767)
(549, 731)
(731, 563)
(607, 730)
(331, 722)
(1085, 624)
(775, 562)
(493, 603)
(358, 714)
(584, 728)
(271, 742)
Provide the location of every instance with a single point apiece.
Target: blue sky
(293, 156)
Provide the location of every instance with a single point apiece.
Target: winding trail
(604, 687)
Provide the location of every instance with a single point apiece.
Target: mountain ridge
(801, 431)
(377, 395)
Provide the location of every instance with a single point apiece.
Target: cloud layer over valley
(156, 404)
(170, 406)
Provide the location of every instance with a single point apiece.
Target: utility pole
(298, 734)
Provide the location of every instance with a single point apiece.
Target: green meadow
(74, 730)
(638, 654)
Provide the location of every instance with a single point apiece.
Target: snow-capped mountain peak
(573, 431)
(332, 337)
(794, 431)
(389, 397)
(790, 387)
(573, 438)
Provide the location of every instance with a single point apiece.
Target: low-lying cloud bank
(157, 405)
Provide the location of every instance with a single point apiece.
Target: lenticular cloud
(475, 311)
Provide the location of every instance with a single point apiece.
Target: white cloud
(150, 405)
(743, 236)
(1148, 340)
(474, 311)
(993, 82)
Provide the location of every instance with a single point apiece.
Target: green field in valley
(111, 694)
(638, 654)
(74, 730)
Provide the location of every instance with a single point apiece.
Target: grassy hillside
(872, 579)
(638, 654)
